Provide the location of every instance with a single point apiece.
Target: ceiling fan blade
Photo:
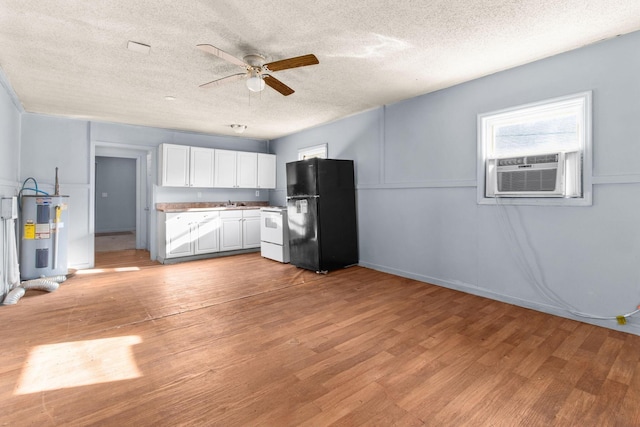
(221, 54)
(224, 80)
(298, 61)
(276, 84)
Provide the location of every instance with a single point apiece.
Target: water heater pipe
(57, 187)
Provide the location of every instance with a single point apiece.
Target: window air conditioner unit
(541, 175)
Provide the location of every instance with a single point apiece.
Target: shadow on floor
(108, 242)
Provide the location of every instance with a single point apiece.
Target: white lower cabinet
(239, 229)
(188, 233)
(205, 233)
(230, 230)
(251, 228)
(183, 234)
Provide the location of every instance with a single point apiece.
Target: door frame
(143, 156)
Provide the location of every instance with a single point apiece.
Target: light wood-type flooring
(245, 341)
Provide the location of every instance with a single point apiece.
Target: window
(311, 152)
(523, 135)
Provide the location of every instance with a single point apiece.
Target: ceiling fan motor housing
(255, 60)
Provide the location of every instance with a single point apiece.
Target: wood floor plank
(242, 340)
(626, 362)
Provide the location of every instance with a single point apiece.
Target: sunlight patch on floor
(78, 363)
(107, 270)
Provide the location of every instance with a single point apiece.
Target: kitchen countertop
(208, 206)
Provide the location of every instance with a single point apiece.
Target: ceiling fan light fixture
(255, 83)
(238, 128)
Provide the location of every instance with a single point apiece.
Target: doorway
(120, 154)
(115, 202)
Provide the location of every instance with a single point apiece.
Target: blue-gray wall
(10, 110)
(69, 144)
(115, 194)
(416, 179)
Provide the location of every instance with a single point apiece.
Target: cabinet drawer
(231, 214)
(251, 213)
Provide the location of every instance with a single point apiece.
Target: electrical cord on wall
(540, 283)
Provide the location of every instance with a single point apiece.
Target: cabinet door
(251, 232)
(230, 230)
(174, 165)
(247, 172)
(225, 169)
(266, 170)
(205, 233)
(178, 235)
(201, 167)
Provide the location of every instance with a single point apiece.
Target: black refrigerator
(321, 206)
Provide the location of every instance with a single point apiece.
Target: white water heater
(43, 236)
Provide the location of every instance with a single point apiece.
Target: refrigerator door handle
(302, 197)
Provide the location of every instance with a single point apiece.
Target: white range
(274, 233)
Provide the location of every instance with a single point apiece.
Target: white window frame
(312, 152)
(485, 124)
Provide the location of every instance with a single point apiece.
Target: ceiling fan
(258, 73)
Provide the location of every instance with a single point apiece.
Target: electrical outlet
(257, 193)
(199, 195)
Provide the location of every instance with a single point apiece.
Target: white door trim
(143, 156)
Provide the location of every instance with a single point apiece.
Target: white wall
(416, 178)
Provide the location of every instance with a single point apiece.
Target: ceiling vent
(139, 47)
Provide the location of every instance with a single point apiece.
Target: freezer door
(334, 175)
(302, 178)
(303, 232)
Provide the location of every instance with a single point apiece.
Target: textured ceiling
(70, 57)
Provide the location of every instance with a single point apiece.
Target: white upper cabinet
(174, 161)
(266, 170)
(247, 170)
(225, 169)
(236, 169)
(184, 166)
(201, 167)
